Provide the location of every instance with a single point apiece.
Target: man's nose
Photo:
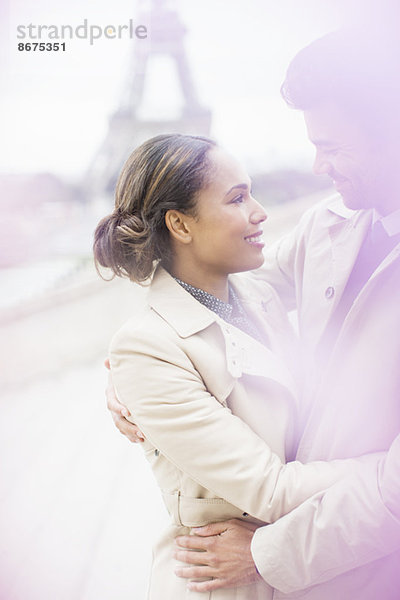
(321, 165)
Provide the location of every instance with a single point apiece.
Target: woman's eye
(237, 199)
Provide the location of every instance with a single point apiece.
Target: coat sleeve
(168, 400)
(279, 269)
(352, 523)
(284, 260)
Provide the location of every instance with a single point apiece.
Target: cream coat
(346, 540)
(182, 372)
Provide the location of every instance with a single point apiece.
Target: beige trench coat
(182, 372)
(347, 540)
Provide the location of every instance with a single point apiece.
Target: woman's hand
(119, 412)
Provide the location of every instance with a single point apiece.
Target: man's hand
(119, 412)
(226, 556)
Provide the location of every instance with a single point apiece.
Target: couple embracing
(278, 459)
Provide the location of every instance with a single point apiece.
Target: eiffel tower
(126, 128)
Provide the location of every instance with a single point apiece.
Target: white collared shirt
(390, 222)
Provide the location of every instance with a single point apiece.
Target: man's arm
(354, 522)
(177, 413)
(120, 413)
(350, 524)
(278, 269)
(284, 260)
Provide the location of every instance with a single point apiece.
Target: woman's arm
(158, 383)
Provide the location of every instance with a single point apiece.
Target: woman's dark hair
(164, 173)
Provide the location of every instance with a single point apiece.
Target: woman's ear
(178, 225)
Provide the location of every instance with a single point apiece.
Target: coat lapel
(266, 312)
(347, 236)
(175, 305)
(250, 357)
(376, 279)
(188, 317)
(240, 352)
(390, 259)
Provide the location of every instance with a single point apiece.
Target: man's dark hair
(360, 71)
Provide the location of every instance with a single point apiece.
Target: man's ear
(178, 225)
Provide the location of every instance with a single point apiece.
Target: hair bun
(123, 242)
(130, 227)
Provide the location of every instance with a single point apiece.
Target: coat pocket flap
(196, 512)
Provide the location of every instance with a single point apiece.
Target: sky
(55, 106)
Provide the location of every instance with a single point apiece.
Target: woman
(201, 366)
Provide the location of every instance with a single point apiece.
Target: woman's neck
(215, 284)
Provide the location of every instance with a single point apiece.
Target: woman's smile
(255, 239)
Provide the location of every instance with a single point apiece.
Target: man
(341, 270)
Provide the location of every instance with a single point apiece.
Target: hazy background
(55, 105)
(78, 507)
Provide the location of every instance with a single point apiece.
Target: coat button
(156, 452)
(245, 514)
(329, 292)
